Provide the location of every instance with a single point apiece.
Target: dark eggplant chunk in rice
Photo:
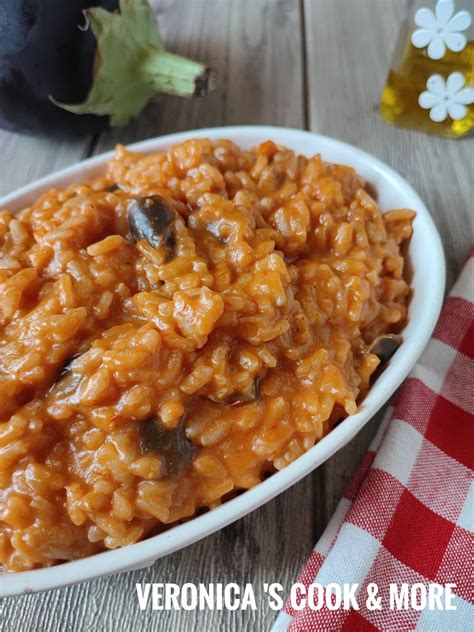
(171, 445)
(240, 398)
(153, 219)
(385, 346)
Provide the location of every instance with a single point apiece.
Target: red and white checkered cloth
(408, 514)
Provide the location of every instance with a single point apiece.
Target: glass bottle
(430, 85)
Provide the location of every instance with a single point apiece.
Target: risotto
(177, 329)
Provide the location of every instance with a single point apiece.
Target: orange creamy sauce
(140, 382)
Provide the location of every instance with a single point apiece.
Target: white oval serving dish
(428, 282)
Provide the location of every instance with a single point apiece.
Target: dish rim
(144, 553)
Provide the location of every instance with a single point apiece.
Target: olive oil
(408, 78)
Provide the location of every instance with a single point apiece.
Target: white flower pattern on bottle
(441, 29)
(446, 97)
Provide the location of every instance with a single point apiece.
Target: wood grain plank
(256, 48)
(26, 159)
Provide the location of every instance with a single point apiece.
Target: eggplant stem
(134, 65)
(173, 74)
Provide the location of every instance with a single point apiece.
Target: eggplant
(172, 445)
(240, 398)
(76, 66)
(66, 367)
(384, 346)
(153, 219)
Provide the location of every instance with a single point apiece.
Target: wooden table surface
(310, 64)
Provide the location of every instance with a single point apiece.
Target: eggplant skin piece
(44, 53)
(66, 368)
(172, 445)
(153, 219)
(239, 399)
